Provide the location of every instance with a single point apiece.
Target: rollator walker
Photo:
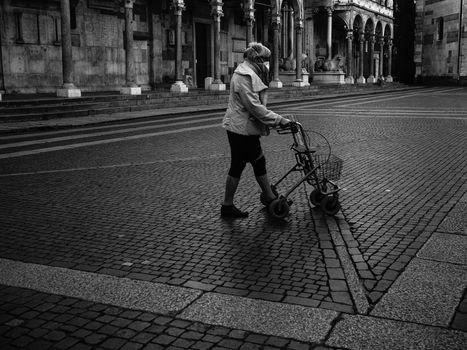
(319, 169)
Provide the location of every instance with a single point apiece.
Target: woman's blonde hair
(255, 50)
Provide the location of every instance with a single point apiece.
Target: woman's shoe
(231, 211)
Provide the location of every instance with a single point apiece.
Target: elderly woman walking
(246, 120)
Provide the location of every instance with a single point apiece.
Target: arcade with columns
(337, 41)
(137, 45)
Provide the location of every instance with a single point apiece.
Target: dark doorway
(203, 36)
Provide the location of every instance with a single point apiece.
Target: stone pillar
(349, 78)
(276, 23)
(298, 53)
(371, 78)
(130, 87)
(249, 15)
(329, 33)
(179, 86)
(361, 38)
(308, 32)
(291, 34)
(381, 57)
(284, 37)
(217, 13)
(68, 89)
(389, 77)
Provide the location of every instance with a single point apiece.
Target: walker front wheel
(330, 205)
(279, 208)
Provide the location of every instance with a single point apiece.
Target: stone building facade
(441, 41)
(69, 46)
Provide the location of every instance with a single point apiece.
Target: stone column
(308, 31)
(179, 86)
(276, 23)
(249, 15)
(381, 57)
(284, 37)
(389, 77)
(291, 34)
(349, 78)
(371, 78)
(217, 13)
(361, 38)
(68, 89)
(298, 53)
(329, 33)
(130, 87)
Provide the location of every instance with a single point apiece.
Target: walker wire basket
(329, 166)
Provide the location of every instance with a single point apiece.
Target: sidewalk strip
(283, 320)
(338, 227)
(370, 333)
(428, 292)
(122, 292)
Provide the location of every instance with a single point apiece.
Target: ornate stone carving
(216, 9)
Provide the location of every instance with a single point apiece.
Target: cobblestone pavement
(147, 209)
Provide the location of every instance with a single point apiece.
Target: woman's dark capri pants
(245, 149)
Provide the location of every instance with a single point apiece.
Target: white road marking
(111, 126)
(386, 98)
(101, 142)
(113, 166)
(104, 133)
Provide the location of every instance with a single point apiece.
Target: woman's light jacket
(246, 112)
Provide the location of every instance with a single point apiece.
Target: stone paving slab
(36, 320)
(456, 222)
(290, 321)
(362, 332)
(445, 247)
(124, 292)
(428, 292)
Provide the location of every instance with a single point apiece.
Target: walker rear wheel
(279, 208)
(330, 205)
(316, 197)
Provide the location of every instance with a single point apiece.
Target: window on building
(440, 28)
(19, 27)
(73, 16)
(57, 23)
